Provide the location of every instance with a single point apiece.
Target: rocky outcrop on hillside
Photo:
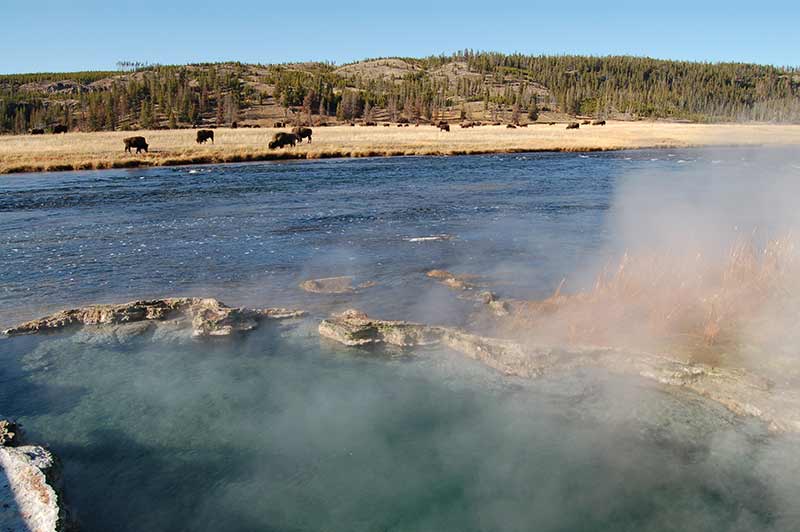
(206, 316)
(741, 392)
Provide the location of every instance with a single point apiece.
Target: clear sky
(59, 35)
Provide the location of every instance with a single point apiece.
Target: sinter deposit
(205, 316)
(29, 485)
(743, 393)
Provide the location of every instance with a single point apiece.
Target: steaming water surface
(283, 431)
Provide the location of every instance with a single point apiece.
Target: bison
(278, 125)
(281, 140)
(37, 131)
(135, 142)
(599, 123)
(443, 126)
(60, 128)
(573, 125)
(204, 135)
(551, 123)
(511, 126)
(586, 122)
(370, 123)
(302, 133)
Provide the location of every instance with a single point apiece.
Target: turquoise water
(284, 431)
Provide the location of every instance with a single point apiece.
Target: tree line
(150, 96)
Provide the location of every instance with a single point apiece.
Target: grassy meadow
(84, 151)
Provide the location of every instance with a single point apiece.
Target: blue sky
(58, 35)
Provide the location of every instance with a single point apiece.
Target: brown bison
(135, 142)
(281, 140)
(443, 126)
(278, 125)
(302, 133)
(60, 128)
(573, 125)
(204, 135)
(465, 125)
(370, 123)
(37, 131)
(586, 122)
(511, 126)
(551, 123)
(599, 123)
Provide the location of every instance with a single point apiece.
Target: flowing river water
(281, 430)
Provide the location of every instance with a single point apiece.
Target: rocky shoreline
(205, 316)
(742, 393)
(31, 498)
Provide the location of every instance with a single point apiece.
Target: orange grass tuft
(695, 305)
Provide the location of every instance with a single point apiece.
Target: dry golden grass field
(79, 151)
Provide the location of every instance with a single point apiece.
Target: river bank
(103, 150)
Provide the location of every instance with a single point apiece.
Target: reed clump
(699, 307)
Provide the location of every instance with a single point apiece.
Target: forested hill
(465, 85)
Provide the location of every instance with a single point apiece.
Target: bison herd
(283, 139)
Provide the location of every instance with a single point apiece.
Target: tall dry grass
(78, 151)
(695, 306)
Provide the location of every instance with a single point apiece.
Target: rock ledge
(209, 317)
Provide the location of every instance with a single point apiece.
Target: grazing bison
(443, 126)
(523, 125)
(302, 133)
(60, 128)
(511, 126)
(204, 135)
(370, 123)
(278, 125)
(135, 142)
(37, 131)
(281, 140)
(573, 125)
(234, 125)
(551, 124)
(599, 123)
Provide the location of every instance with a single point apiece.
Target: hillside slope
(464, 86)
